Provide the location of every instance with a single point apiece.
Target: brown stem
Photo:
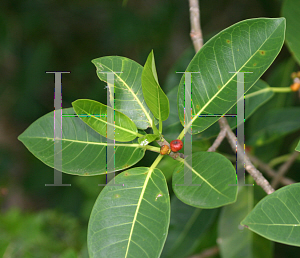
(269, 171)
(197, 39)
(207, 252)
(196, 33)
(218, 140)
(284, 168)
(257, 176)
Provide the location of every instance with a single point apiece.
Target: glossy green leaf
(248, 46)
(277, 216)
(216, 176)
(146, 139)
(128, 97)
(172, 126)
(259, 94)
(154, 96)
(94, 114)
(280, 77)
(187, 226)
(154, 128)
(131, 220)
(233, 239)
(167, 165)
(291, 11)
(274, 124)
(83, 150)
(298, 147)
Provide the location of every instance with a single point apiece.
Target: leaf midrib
(135, 96)
(109, 124)
(217, 93)
(114, 125)
(204, 180)
(263, 224)
(138, 207)
(86, 142)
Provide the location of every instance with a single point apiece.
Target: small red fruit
(164, 149)
(176, 145)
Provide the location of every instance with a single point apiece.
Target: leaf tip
(74, 102)
(20, 137)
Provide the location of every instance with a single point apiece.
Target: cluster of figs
(175, 146)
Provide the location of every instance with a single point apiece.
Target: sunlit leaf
(298, 147)
(94, 114)
(128, 95)
(259, 94)
(248, 46)
(154, 96)
(216, 176)
(83, 150)
(132, 219)
(146, 139)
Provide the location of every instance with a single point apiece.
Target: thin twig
(207, 253)
(269, 171)
(196, 36)
(218, 140)
(196, 33)
(257, 176)
(284, 168)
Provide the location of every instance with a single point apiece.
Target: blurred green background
(38, 36)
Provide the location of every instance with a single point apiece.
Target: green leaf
(146, 139)
(274, 124)
(291, 11)
(235, 240)
(187, 226)
(167, 165)
(154, 128)
(131, 220)
(248, 46)
(154, 96)
(280, 77)
(217, 178)
(128, 97)
(94, 114)
(83, 150)
(277, 216)
(160, 126)
(298, 147)
(172, 125)
(259, 94)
